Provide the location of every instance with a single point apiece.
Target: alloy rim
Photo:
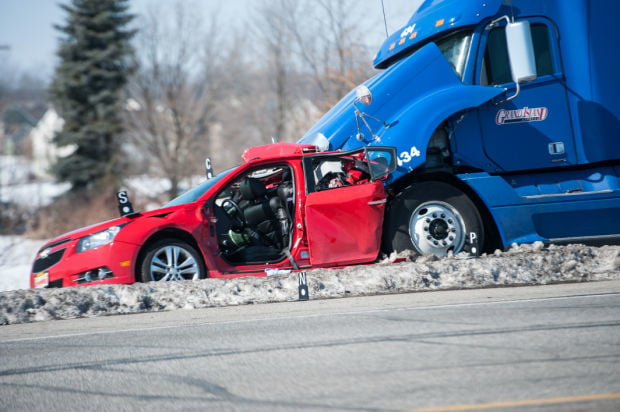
(173, 263)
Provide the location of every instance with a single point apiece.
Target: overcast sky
(26, 26)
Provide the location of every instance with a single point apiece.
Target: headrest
(252, 188)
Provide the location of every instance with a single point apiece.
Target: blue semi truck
(505, 115)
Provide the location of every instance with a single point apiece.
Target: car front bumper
(59, 265)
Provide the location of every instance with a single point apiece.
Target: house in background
(28, 133)
(16, 122)
(44, 150)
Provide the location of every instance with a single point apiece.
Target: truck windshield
(455, 47)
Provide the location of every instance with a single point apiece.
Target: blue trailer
(505, 116)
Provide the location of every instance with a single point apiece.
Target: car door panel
(344, 224)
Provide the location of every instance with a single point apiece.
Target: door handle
(377, 202)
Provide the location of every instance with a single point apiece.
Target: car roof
(277, 150)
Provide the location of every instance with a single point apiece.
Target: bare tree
(244, 100)
(172, 97)
(311, 54)
(275, 54)
(278, 61)
(200, 90)
(329, 45)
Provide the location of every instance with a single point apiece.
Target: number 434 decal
(407, 156)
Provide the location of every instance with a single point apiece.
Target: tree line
(157, 93)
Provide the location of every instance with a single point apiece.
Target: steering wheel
(233, 210)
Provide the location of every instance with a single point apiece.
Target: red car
(286, 207)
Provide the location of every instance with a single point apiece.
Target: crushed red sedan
(287, 207)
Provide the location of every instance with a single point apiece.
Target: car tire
(171, 259)
(433, 218)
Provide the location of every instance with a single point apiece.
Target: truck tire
(171, 259)
(433, 218)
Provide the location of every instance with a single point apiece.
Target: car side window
(255, 215)
(263, 182)
(333, 172)
(496, 66)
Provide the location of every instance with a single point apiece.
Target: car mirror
(381, 161)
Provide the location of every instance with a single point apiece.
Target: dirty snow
(521, 265)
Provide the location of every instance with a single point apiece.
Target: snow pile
(16, 256)
(13, 170)
(17, 190)
(521, 265)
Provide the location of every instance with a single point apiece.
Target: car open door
(345, 204)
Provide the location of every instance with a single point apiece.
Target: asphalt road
(529, 348)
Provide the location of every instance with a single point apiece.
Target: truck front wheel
(433, 218)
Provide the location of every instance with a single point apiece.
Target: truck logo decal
(408, 30)
(525, 114)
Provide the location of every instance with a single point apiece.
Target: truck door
(532, 131)
(345, 205)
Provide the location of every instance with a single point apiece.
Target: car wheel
(167, 260)
(433, 218)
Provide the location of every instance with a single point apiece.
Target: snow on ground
(17, 186)
(34, 195)
(16, 256)
(521, 265)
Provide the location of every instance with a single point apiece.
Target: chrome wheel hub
(437, 228)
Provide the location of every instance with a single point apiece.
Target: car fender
(141, 230)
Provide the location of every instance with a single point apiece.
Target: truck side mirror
(521, 51)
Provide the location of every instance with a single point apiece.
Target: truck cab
(505, 121)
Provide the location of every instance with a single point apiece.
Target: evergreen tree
(94, 66)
